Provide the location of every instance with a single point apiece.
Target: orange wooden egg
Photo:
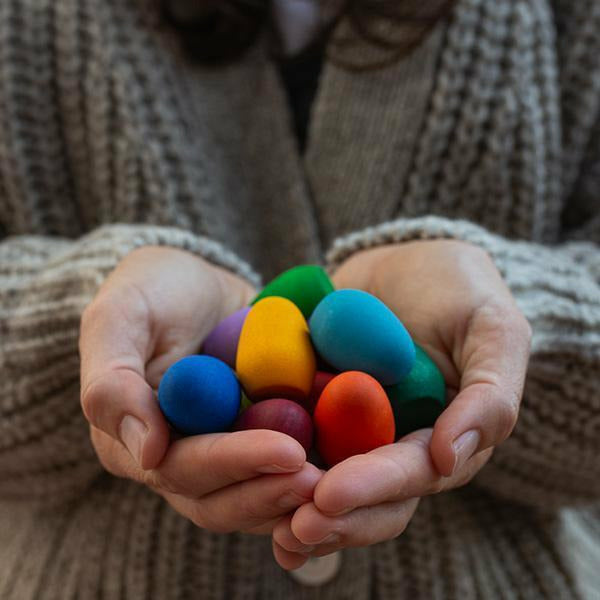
(353, 416)
(275, 357)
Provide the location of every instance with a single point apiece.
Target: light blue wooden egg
(355, 331)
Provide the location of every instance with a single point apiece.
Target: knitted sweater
(110, 140)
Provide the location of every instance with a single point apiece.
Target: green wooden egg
(419, 398)
(305, 286)
(245, 403)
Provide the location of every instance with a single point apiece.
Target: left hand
(455, 304)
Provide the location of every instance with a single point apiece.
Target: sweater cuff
(123, 239)
(421, 228)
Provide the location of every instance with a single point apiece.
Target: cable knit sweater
(110, 140)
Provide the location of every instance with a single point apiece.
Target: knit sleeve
(552, 456)
(45, 283)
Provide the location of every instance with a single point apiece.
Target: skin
(454, 302)
(155, 308)
(159, 304)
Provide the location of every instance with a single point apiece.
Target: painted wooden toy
(355, 331)
(353, 416)
(199, 394)
(321, 379)
(222, 341)
(275, 358)
(278, 414)
(304, 285)
(419, 398)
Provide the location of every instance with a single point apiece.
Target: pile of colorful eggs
(312, 362)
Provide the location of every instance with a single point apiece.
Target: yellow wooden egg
(275, 357)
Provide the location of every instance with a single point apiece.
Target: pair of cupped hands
(159, 304)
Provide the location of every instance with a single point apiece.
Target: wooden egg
(275, 357)
(319, 382)
(281, 415)
(420, 398)
(305, 286)
(222, 341)
(353, 416)
(245, 403)
(355, 331)
(199, 394)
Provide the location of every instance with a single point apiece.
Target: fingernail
(133, 434)
(342, 511)
(332, 538)
(279, 469)
(464, 447)
(291, 500)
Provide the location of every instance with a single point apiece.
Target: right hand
(156, 307)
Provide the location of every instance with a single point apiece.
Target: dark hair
(218, 31)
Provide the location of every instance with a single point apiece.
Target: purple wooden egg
(281, 415)
(222, 341)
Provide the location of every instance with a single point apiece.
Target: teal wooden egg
(304, 285)
(355, 331)
(418, 399)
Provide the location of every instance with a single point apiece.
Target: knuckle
(518, 325)
(525, 328)
(155, 480)
(168, 482)
(201, 517)
(254, 512)
(436, 486)
(212, 460)
(495, 314)
(508, 416)
(506, 319)
(94, 312)
(401, 474)
(89, 314)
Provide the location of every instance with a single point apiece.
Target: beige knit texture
(109, 140)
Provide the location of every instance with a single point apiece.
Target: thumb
(494, 358)
(115, 397)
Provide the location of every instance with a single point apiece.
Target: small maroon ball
(281, 415)
(319, 382)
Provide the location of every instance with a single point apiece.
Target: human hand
(454, 302)
(156, 307)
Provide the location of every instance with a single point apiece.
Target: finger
(199, 465)
(287, 560)
(249, 504)
(264, 528)
(285, 539)
(115, 396)
(388, 474)
(493, 364)
(361, 527)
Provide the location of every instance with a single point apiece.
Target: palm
(171, 302)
